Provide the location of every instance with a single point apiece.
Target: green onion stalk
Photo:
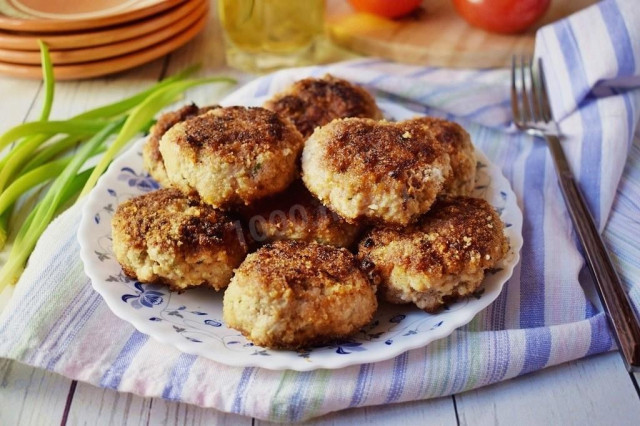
(49, 87)
(45, 210)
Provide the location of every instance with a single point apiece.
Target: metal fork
(532, 114)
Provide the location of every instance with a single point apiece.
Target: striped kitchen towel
(56, 321)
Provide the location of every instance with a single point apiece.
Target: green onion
(69, 192)
(49, 81)
(57, 147)
(44, 213)
(30, 180)
(18, 156)
(33, 178)
(49, 86)
(48, 152)
(40, 128)
(4, 222)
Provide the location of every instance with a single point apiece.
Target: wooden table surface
(593, 391)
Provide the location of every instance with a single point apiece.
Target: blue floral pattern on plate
(192, 321)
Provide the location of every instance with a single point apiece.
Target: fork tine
(517, 118)
(544, 98)
(527, 116)
(535, 93)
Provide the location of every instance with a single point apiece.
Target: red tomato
(501, 16)
(387, 8)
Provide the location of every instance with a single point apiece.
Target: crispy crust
(379, 149)
(377, 170)
(235, 130)
(292, 294)
(151, 155)
(158, 214)
(314, 102)
(232, 156)
(295, 214)
(298, 265)
(164, 237)
(442, 256)
(456, 142)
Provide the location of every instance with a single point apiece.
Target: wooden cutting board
(435, 35)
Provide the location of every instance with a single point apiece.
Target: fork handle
(610, 290)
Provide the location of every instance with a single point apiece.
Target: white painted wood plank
(29, 396)
(167, 412)
(594, 391)
(17, 97)
(438, 412)
(105, 407)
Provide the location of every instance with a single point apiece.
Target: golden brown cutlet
(293, 294)
(232, 156)
(314, 102)
(295, 214)
(166, 237)
(374, 170)
(441, 257)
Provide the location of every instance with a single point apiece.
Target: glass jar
(263, 35)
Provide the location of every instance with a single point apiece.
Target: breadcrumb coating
(167, 238)
(457, 143)
(375, 170)
(293, 294)
(232, 156)
(314, 102)
(440, 258)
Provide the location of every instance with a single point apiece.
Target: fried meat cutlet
(165, 237)
(314, 102)
(232, 156)
(374, 170)
(293, 294)
(439, 259)
(295, 214)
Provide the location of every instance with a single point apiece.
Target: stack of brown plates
(89, 38)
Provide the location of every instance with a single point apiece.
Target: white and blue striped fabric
(542, 318)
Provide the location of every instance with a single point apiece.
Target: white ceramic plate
(192, 321)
